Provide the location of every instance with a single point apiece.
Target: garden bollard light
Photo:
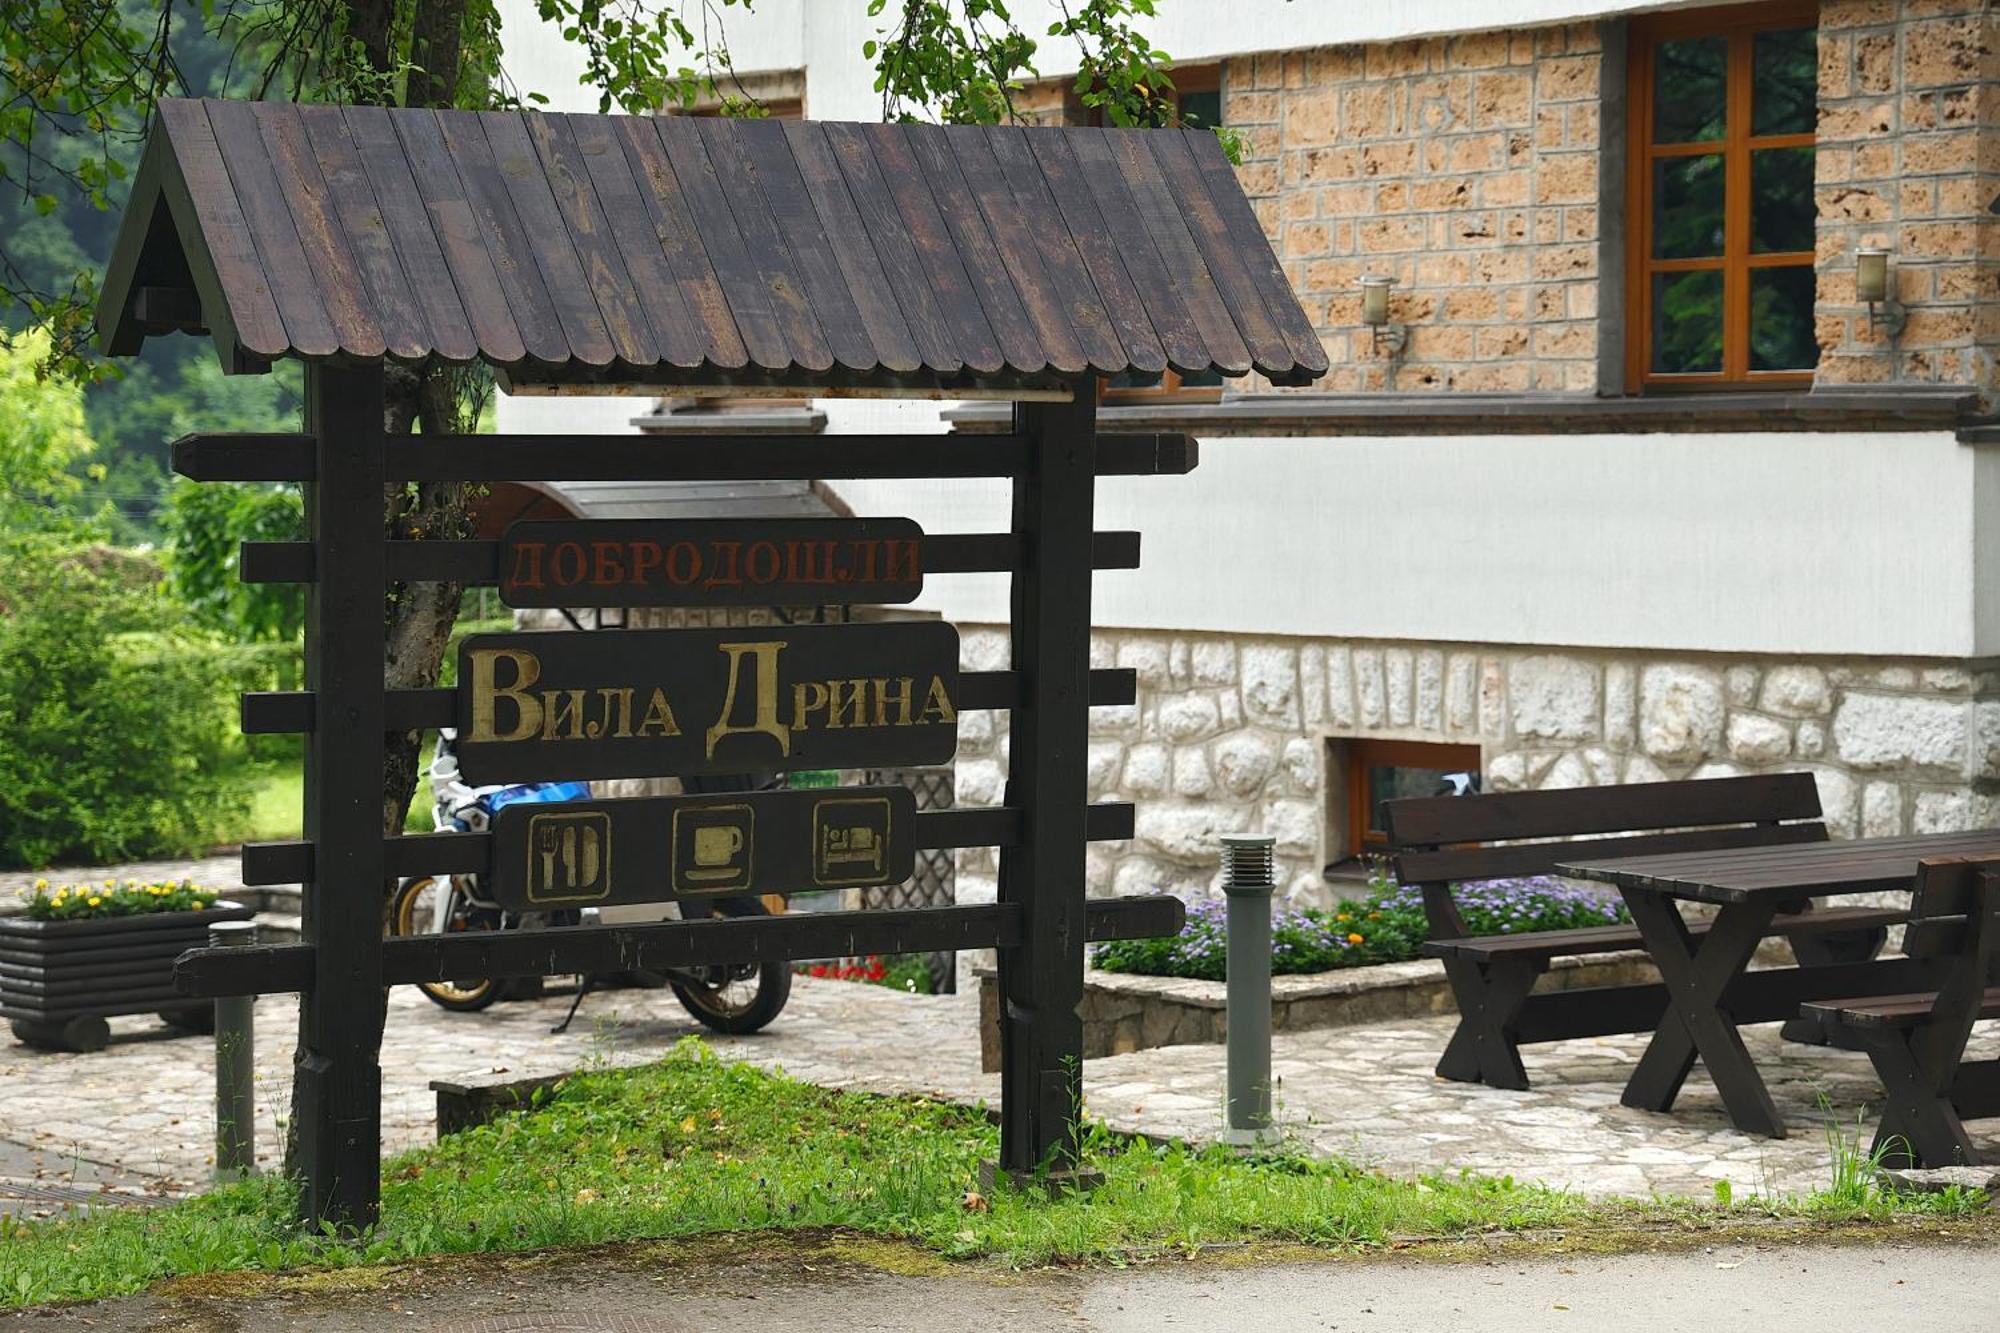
(1247, 881)
(235, 1065)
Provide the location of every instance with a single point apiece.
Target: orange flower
(1354, 939)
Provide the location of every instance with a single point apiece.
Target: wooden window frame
(1194, 79)
(1740, 24)
(1361, 754)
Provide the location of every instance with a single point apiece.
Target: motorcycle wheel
(739, 998)
(413, 912)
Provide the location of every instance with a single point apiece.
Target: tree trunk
(418, 616)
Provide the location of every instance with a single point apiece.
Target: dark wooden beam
(640, 458)
(292, 712)
(478, 562)
(292, 861)
(278, 969)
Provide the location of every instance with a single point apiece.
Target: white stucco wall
(1775, 543)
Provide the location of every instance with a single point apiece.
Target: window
(1198, 101)
(1723, 105)
(1378, 771)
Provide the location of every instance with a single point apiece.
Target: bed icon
(851, 840)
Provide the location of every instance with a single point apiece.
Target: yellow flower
(94, 901)
(1354, 939)
(1341, 917)
(110, 883)
(41, 884)
(131, 883)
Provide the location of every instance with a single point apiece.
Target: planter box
(1124, 1013)
(59, 980)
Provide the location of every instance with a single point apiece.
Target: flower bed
(1386, 926)
(903, 972)
(81, 953)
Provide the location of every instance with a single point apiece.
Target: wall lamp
(1871, 284)
(1375, 314)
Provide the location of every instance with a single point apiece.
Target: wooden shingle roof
(678, 250)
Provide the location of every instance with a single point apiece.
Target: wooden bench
(1439, 841)
(1918, 1041)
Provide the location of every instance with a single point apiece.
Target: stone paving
(143, 1105)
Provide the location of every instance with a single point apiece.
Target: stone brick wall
(1909, 158)
(1464, 167)
(1467, 168)
(1232, 733)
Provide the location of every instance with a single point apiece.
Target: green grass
(693, 1146)
(277, 793)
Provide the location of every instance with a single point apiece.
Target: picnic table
(1711, 992)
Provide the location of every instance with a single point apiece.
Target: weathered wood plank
(656, 287)
(281, 969)
(332, 265)
(1763, 799)
(901, 264)
(750, 298)
(806, 330)
(393, 146)
(546, 239)
(1080, 300)
(1090, 234)
(281, 259)
(391, 292)
(714, 320)
(766, 149)
(1243, 301)
(860, 268)
(1018, 252)
(1187, 272)
(221, 230)
(1187, 351)
(978, 252)
(505, 239)
(591, 237)
(1259, 259)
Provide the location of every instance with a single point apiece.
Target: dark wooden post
(1041, 980)
(336, 1093)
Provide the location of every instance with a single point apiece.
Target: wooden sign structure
(580, 253)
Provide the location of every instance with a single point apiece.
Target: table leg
(1696, 1024)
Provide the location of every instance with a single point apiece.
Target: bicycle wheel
(735, 998)
(415, 911)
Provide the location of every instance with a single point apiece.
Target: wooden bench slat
(1463, 864)
(1891, 1011)
(1575, 812)
(1612, 939)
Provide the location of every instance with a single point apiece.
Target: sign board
(712, 562)
(655, 849)
(648, 703)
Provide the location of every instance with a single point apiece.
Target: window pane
(1690, 85)
(1785, 69)
(1203, 379)
(1392, 783)
(1782, 210)
(1687, 322)
(1781, 319)
(1134, 379)
(1687, 206)
(1201, 110)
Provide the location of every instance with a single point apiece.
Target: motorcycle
(728, 998)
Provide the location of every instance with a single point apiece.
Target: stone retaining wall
(1235, 732)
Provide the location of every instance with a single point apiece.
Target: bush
(115, 733)
(1387, 926)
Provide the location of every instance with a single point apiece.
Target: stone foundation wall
(1233, 733)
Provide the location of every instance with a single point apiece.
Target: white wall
(1771, 543)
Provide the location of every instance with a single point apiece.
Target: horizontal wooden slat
(1894, 1011)
(272, 969)
(291, 861)
(290, 712)
(1588, 940)
(1466, 864)
(1428, 821)
(1861, 865)
(478, 562)
(640, 458)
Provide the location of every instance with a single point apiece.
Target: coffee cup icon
(717, 845)
(713, 846)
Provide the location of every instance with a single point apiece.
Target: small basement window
(1369, 772)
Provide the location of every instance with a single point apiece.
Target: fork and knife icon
(579, 850)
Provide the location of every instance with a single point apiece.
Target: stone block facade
(1475, 170)
(1235, 733)
(1909, 158)
(1464, 167)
